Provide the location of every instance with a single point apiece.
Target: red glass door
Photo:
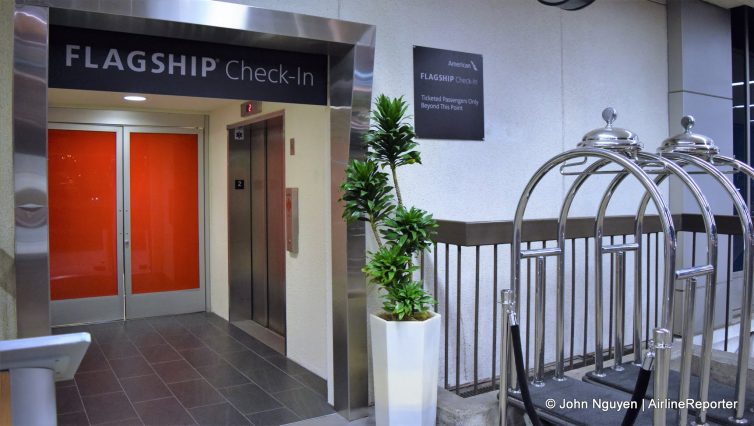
(85, 224)
(163, 222)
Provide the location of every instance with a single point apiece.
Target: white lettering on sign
(136, 64)
(138, 61)
(239, 70)
(194, 66)
(113, 59)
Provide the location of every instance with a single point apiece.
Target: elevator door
(256, 170)
(125, 222)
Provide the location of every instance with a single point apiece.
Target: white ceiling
(95, 99)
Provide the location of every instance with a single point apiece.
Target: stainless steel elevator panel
(239, 223)
(276, 225)
(259, 224)
(256, 224)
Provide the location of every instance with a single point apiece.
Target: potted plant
(406, 335)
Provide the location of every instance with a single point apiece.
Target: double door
(125, 222)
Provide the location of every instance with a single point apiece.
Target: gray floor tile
(272, 380)
(222, 344)
(110, 334)
(275, 417)
(170, 329)
(163, 412)
(130, 367)
(195, 393)
(97, 382)
(64, 383)
(222, 375)
(250, 398)
(108, 407)
(247, 360)
(201, 356)
(176, 371)
(68, 400)
(135, 350)
(73, 419)
(286, 365)
(145, 388)
(219, 415)
(160, 353)
(184, 341)
(94, 360)
(145, 339)
(119, 349)
(313, 382)
(305, 403)
(134, 421)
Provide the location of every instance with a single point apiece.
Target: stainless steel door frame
(351, 63)
(170, 302)
(106, 308)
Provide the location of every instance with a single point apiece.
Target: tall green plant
(367, 195)
(390, 139)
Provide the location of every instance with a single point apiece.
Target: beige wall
(306, 271)
(7, 277)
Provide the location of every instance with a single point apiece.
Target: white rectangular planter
(405, 358)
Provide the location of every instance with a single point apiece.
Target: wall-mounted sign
(448, 94)
(103, 60)
(238, 133)
(250, 108)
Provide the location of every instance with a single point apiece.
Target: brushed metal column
(275, 154)
(350, 100)
(239, 226)
(31, 26)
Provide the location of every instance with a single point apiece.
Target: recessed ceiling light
(134, 98)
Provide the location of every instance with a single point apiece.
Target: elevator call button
(239, 184)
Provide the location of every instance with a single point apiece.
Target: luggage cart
(700, 156)
(607, 147)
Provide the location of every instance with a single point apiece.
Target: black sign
(448, 94)
(239, 183)
(104, 60)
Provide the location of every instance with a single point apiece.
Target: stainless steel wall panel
(30, 169)
(258, 185)
(350, 97)
(293, 31)
(239, 227)
(276, 225)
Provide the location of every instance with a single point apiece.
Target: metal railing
(471, 316)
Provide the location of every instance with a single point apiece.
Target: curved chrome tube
(744, 338)
(606, 157)
(563, 219)
(667, 318)
(712, 248)
(746, 225)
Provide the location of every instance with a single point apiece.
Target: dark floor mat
(625, 380)
(588, 398)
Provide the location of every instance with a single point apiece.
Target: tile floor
(185, 370)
